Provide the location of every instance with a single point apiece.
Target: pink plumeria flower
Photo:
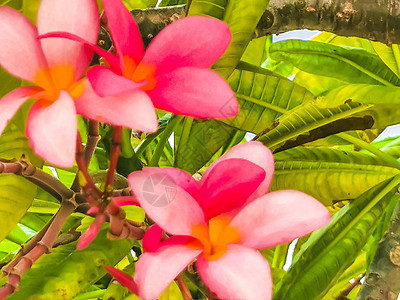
(173, 71)
(221, 222)
(54, 66)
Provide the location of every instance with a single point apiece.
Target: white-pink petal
(80, 17)
(11, 102)
(193, 41)
(106, 83)
(279, 217)
(132, 109)
(165, 202)
(20, 51)
(196, 92)
(52, 131)
(156, 270)
(241, 274)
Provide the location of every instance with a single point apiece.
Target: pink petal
(165, 202)
(190, 91)
(124, 31)
(123, 278)
(125, 201)
(241, 274)
(52, 131)
(80, 17)
(92, 211)
(152, 238)
(132, 109)
(20, 52)
(156, 270)
(106, 83)
(256, 153)
(90, 233)
(11, 102)
(181, 178)
(111, 59)
(279, 217)
(193, 41)
(229, 185)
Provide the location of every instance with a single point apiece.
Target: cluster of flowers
(220, 221)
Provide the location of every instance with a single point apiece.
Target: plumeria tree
(181, 155)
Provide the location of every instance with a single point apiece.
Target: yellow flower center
(214, 238)
(55, 79)
(139, 73)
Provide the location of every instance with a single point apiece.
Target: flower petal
(165, 202)
(52, 131)
(125, 201)
(110, 58)
(156, 270)
(90, 233)
(229, 185)
(66, 15)
(106, 83)
(152, 238)
(20, 51)
(279, 217)
(123, 278)
(190, 91)
(241, 274)
(132, 109)
(256, 153)
(194, 41)
(11, 102)
(124, 31)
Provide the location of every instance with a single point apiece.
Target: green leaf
(66, 272)
(30, 8)
(8, 82)
(308, 122)
(332, 249)
(196, 141)
(139, 4)
(363, 93)
(329, 175)
(354, 65)
(390, 55)
(263, 97)
(242, 17)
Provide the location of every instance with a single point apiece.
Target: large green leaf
(196, 141)
(263, 97)
(66, 272)
(16, 192)
(390, 55)
(308, 122)
(329, 175)
(354, 65)
(332, 249)
(363, 93)
(242, 17)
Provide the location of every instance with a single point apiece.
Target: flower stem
(183, 288)
(364, 145)
(115, 150)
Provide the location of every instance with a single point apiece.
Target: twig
(343, 295)
(115, 150)
(183, 288)
(92, 140)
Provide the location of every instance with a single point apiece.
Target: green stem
(90, 295)
(163, 140)
(364, 145)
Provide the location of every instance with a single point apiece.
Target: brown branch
(378, 21)
(43, 246)
(383, 277)
(120, 227)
